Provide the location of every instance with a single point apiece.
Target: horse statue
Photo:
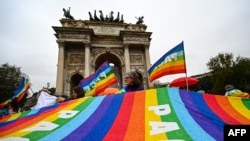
(140, 20)
(67, 14)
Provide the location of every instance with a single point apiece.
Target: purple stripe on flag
(90, 124)
(198, 115)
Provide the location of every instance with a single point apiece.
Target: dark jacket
(131, 88)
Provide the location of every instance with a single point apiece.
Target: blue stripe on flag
(188, 123)
(66, 129)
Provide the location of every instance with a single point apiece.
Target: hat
(229, 87)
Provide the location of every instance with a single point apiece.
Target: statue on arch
(140, 20)
(67, 14)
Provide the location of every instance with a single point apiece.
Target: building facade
(84, 45)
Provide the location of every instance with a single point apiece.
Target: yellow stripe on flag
(150, 116)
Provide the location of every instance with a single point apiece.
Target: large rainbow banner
(154, 114)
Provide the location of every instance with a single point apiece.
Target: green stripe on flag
(163, 98)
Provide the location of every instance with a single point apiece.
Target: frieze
(74, 36)
(132, 27)
(73, 23)
(75, 50)
(106, 30)
(136, 39)
(101, 42)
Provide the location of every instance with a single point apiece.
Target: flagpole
(186, 81)
(185, 64)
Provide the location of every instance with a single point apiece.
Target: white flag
(45, 100)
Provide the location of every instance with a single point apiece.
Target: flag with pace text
(173, 62)
(98, 81)
(155, 114)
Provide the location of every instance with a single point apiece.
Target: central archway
(115, 63)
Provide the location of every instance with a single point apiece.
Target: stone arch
(111, 58)
(74, 80)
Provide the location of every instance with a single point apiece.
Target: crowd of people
(77, 92)
(133, 82)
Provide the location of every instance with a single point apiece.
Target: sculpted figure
(96, 17)
(67, 14)
(111, 17)
(140, 20)
(117, 17)
(121, 20)
(101, 15)
(90, 17)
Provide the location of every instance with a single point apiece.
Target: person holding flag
(77, 92)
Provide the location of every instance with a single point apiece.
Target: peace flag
(172, 62)
(155, 114)
(98, 81)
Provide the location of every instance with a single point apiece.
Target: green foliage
(220, 62)
(225, 70)
(241, 73)
(10, 78)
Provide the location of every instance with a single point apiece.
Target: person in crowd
(201, 91)
(77, 92)
(231, 91)
(133, 82)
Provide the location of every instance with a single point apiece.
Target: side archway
(74, 80)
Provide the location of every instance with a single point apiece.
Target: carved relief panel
(136, 59)
(76, 58)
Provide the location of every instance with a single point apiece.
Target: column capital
(147, 45)
(87, 44)
(126, 45)
(61, 43)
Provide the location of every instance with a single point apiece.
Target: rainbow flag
(98, 81)
(172, 62)
(19, 92)
(22, 89)
(155, 114)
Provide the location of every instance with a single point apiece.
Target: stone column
(126, 57)
(60, 68)
(148, 64)
(87, 56)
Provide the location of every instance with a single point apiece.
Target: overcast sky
(207, 27)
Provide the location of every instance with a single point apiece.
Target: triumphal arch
(85, 44)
